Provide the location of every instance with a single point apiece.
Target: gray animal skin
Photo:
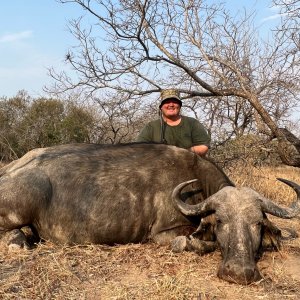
(117, 194)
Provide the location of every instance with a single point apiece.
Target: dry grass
(150, 271)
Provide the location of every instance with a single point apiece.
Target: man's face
(170, 108)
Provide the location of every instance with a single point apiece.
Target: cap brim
(170, 98)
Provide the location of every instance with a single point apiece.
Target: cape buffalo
(108, 194)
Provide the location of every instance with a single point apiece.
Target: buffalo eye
(257, 225)
(218, 222)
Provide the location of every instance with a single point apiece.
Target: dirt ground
(138, 271)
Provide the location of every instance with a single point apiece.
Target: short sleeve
(145, 134)
(200, 135)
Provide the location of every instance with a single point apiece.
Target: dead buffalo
(88, 193)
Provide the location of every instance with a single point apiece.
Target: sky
(34, 37)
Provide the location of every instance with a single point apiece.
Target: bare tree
(287, 38)
(290, 14)
(194, 45)
(118, 118)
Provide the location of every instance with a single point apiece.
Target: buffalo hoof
(183, 243)
(16, 239)
(179, 244)
(201, 247)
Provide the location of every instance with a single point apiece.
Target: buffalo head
(239, 226)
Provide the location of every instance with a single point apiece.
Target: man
(175, 129)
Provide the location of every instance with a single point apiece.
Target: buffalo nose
(239, 273)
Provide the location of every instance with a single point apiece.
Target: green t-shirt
(189, 132)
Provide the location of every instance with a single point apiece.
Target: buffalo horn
(203, 208)
(286, 213)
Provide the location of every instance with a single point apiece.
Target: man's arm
(199, 149)
(201, 139)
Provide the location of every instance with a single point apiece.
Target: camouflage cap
(170, 94)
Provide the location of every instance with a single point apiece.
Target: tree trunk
(288, 144)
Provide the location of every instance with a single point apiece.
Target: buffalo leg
(184, 243)
(24, 238)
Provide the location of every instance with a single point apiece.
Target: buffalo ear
(206, 229)
(271, 236)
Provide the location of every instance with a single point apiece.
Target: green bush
(26, 124)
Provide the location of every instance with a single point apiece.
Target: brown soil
(139, 271)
